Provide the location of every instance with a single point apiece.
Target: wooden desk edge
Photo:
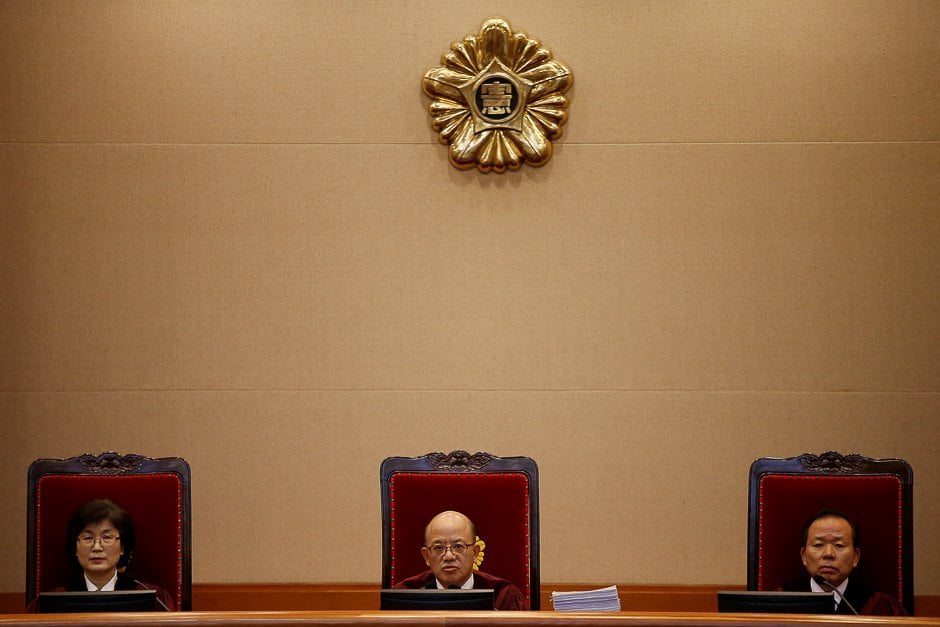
(452, 619)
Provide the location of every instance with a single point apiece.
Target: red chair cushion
(154, 502)
(873, 502)
(497, 503)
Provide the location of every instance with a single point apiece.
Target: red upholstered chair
(499, 494)
(156, 494)
(875, 493)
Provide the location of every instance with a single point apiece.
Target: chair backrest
(875, 493)
(156, 494)
(499, 494)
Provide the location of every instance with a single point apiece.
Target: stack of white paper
(601, 600)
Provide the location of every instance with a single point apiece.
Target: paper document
(601, 600)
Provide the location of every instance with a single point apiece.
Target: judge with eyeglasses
(450, 550)
(100, 542)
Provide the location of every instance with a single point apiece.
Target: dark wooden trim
(274, 597)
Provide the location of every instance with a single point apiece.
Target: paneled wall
(228, 233)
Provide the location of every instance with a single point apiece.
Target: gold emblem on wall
(498, 100)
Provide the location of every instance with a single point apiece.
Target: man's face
(830, 551)
(99, 550)
(450, 568)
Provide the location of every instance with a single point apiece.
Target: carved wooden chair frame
(461, 471)
(60, 485)
(795, 488)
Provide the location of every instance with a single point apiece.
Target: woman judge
(99, 543)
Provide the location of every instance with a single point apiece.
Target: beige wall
(228, 233)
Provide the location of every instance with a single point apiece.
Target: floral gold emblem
(479, 558)
(498, 100)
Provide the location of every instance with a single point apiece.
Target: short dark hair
(832, 513)
(97, 511)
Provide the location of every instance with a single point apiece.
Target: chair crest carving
(833, 462)
(110, 463)
(459, 461)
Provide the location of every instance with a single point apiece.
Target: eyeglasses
(438, 550)
(86, 539)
